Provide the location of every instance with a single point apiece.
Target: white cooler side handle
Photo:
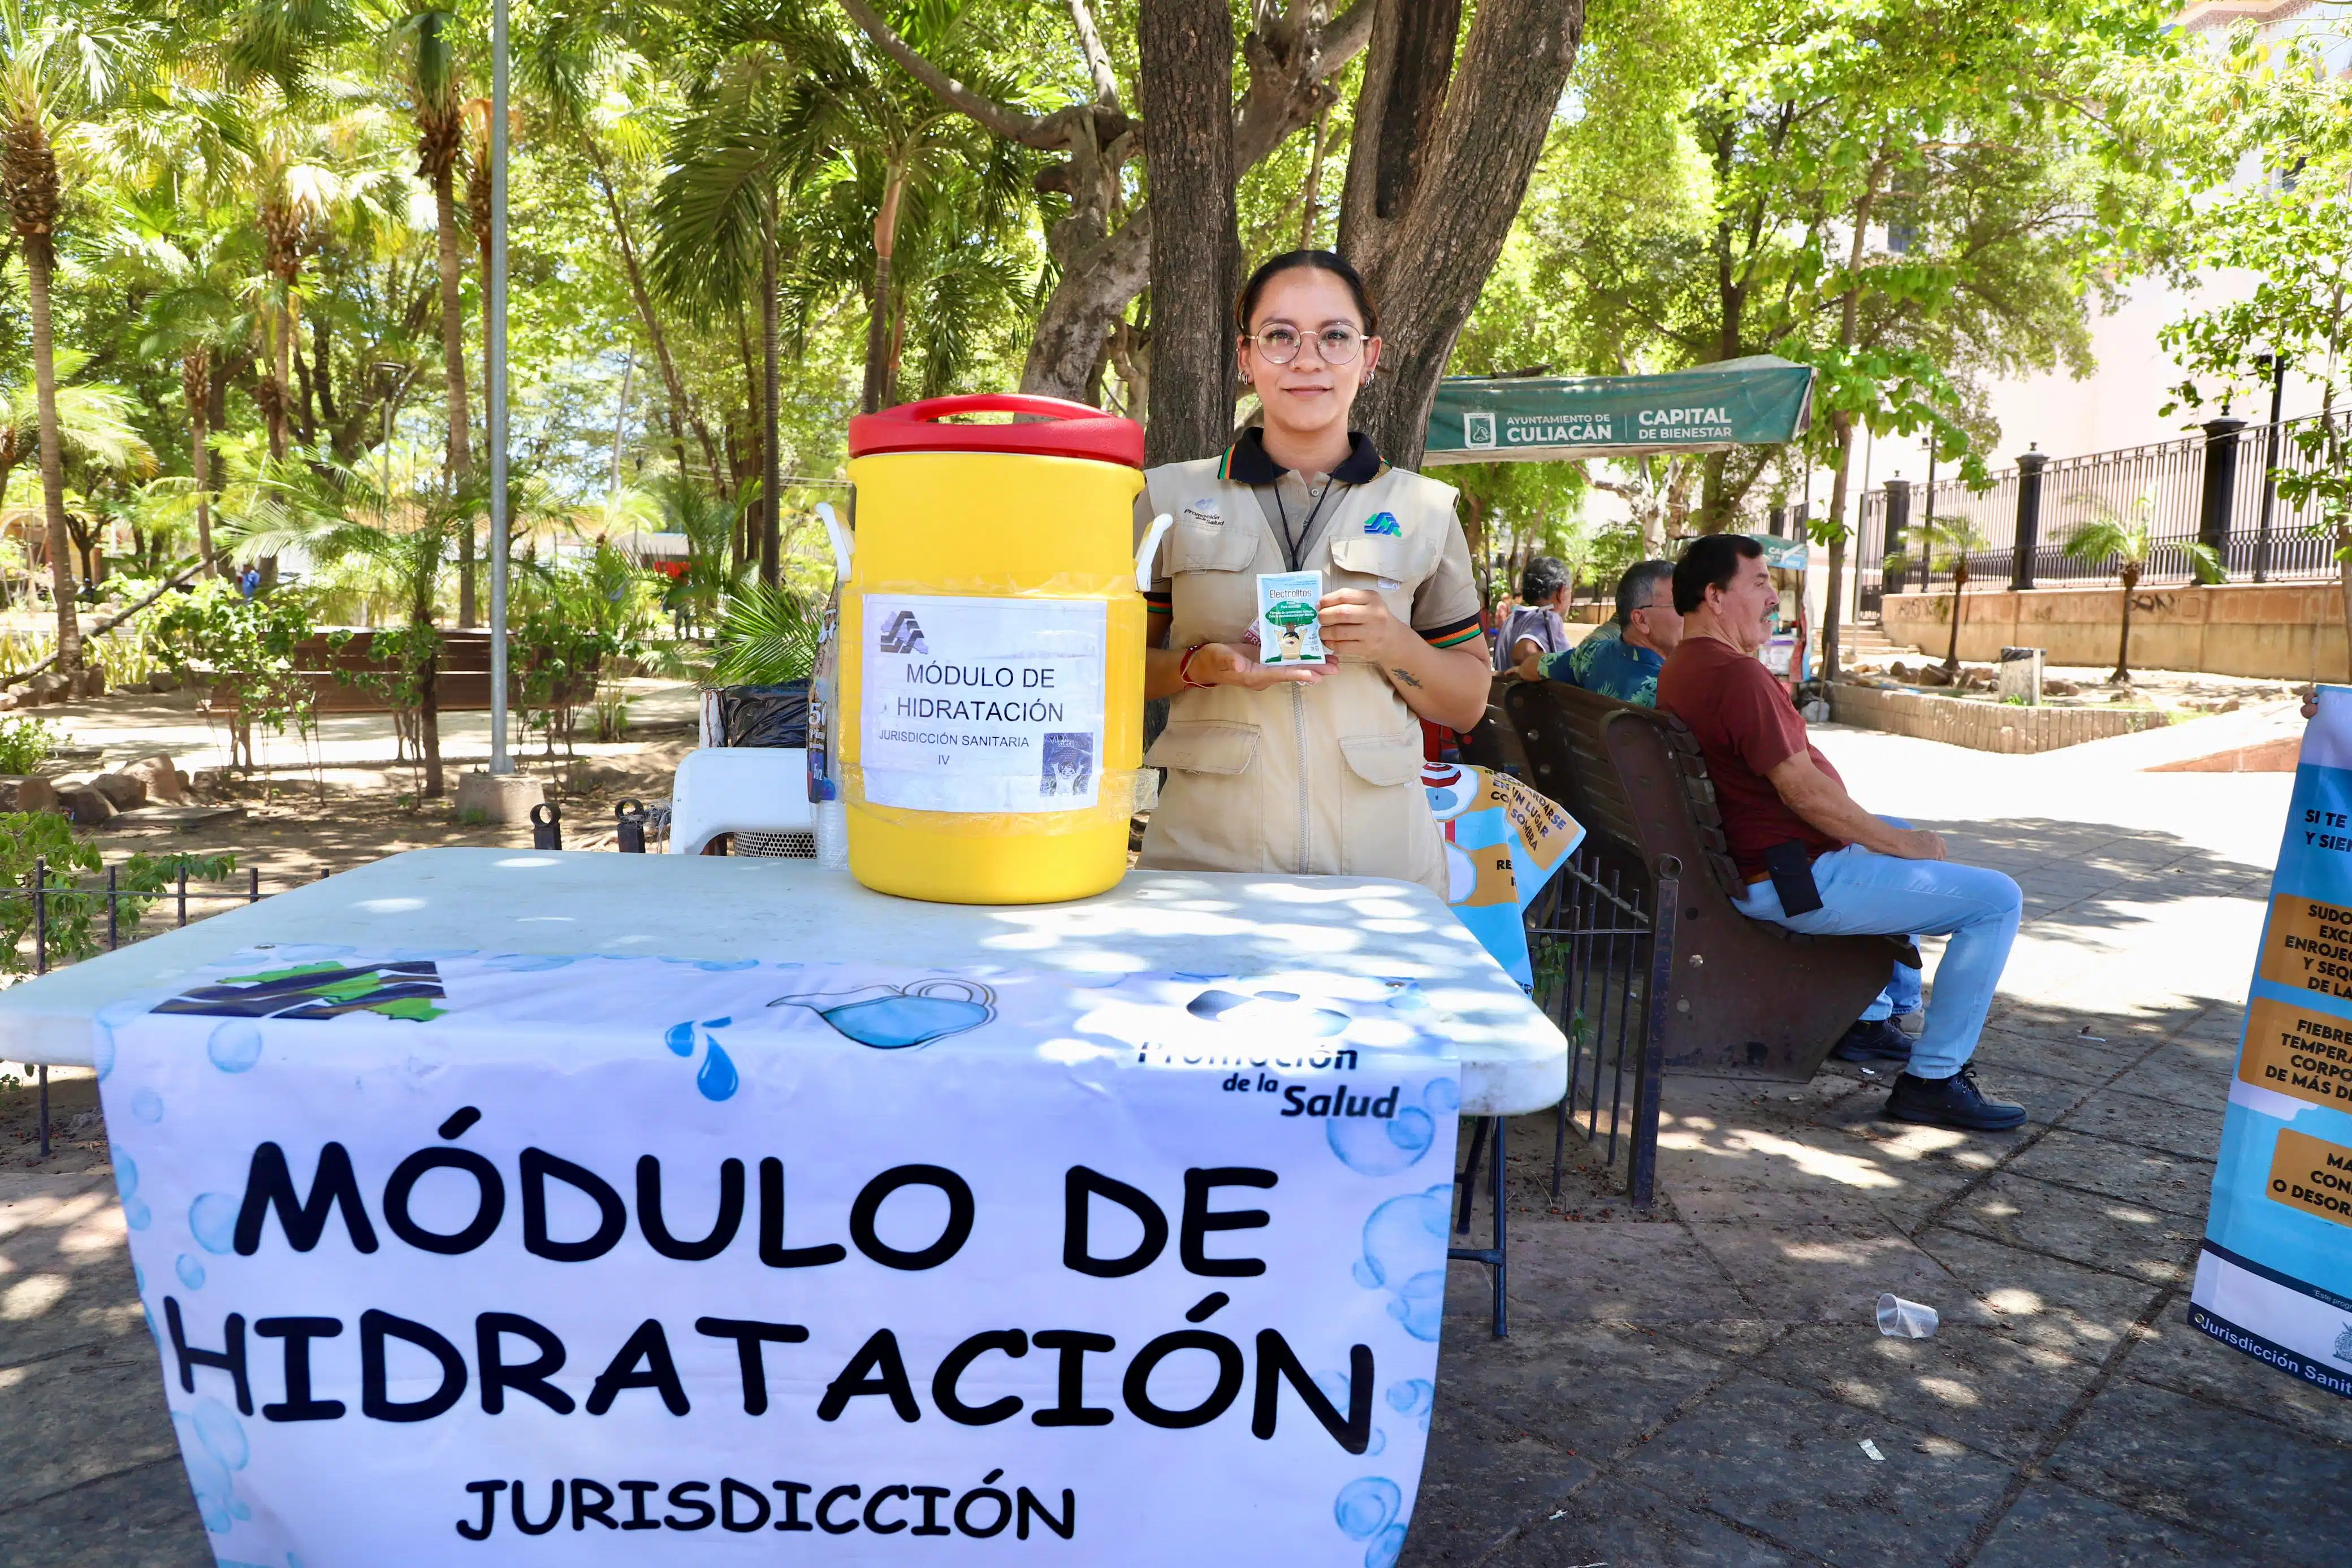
(1149, 547)
(832, 532)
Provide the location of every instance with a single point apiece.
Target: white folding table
(1514, 1060)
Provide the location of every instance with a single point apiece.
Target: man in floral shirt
(1622, 659)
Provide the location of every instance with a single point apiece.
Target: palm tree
(66, 60)
(1948, 542)
(439, 107)
(195, 266)
(2128, 538)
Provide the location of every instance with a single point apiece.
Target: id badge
(1288, 629)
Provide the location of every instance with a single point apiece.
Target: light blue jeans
(1864, 894)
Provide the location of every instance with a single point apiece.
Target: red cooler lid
(1060, 428)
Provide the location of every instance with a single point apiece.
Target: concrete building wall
(2279, 630)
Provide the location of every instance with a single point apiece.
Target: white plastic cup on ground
(1899, 1319)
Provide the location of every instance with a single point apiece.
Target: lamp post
(495, 328)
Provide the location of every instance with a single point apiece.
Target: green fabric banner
(1755, 402)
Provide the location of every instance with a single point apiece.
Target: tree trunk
(1185, 67)
(772, 463)
(53, 482)
(459, 460)
(1437, 168)
(195, 390)
(678, 410)
(2122, 677)
(428, 723)
(1959, 598)
(878, 321)
(1834, 601)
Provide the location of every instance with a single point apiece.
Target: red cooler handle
(1059, 428)
(932, 409)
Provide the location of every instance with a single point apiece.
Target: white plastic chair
(743, 789)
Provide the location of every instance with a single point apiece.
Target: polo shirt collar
(1247, 461)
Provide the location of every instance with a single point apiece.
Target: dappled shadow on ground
(2078, 876)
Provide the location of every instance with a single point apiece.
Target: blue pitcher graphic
(895, 1018)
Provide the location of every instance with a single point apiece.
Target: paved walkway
(1693, 1385)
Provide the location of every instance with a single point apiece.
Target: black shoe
(1954, 1102)
(1877, 1039)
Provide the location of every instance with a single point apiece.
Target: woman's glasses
(1336, 345)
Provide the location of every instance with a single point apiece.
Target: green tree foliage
(2288, 112)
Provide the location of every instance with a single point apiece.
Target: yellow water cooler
(991, 705)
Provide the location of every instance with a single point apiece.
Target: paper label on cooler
(982, 705)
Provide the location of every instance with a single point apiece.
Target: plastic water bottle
(828, 812)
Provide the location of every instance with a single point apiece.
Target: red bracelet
(1184, 668)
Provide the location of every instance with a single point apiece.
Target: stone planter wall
(1983, 726)
(2276, 631)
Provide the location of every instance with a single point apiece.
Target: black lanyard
(1291, 550)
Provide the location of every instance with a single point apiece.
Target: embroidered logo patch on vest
(1204, 510)
(1383, 523)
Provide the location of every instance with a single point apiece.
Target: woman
(1309, 768)
(1536, 629)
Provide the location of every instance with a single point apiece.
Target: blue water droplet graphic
(1385, 1548)
(208, 1477)
(148, 1106)
(726, 965)
(1367, 1507)
(1382, 1146)
(139, 1279)
(718, 1023)
(680, 1038)
(136, 1214)
(235, 1046)
(212, 1220)
(222, 1433)
(190, 1272)
(1378, 1445)
(1404, 1254)
(716, 1080)
(126, 1177)
(101, 1049)
(1416, 1397)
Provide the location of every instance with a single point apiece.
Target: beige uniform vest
(1322, 779)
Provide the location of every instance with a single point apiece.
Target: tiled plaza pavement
(1692, 1385)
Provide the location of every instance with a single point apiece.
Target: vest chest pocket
(1209, 547)
(1392, 564)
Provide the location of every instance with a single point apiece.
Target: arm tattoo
(1405, 676)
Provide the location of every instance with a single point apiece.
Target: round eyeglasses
(1336, 345)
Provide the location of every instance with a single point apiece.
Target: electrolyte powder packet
(1287, 629)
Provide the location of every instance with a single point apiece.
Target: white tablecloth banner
(457, 1257)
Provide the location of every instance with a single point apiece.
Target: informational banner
(982, 705)
(455, 1258)
(2275, 1276)
(1757, 401)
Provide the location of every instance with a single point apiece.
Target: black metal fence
(53, 904)
(2220, 488)
(1602, 956)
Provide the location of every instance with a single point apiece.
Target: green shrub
(24, 744)
(76, 902)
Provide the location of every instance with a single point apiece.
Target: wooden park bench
(1645, 912)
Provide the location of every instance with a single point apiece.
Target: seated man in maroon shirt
(1815, 861)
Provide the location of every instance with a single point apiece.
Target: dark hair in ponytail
(1328, 261)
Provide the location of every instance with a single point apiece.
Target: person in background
(1535, 628)
(1792, 827)
(1622, 659)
